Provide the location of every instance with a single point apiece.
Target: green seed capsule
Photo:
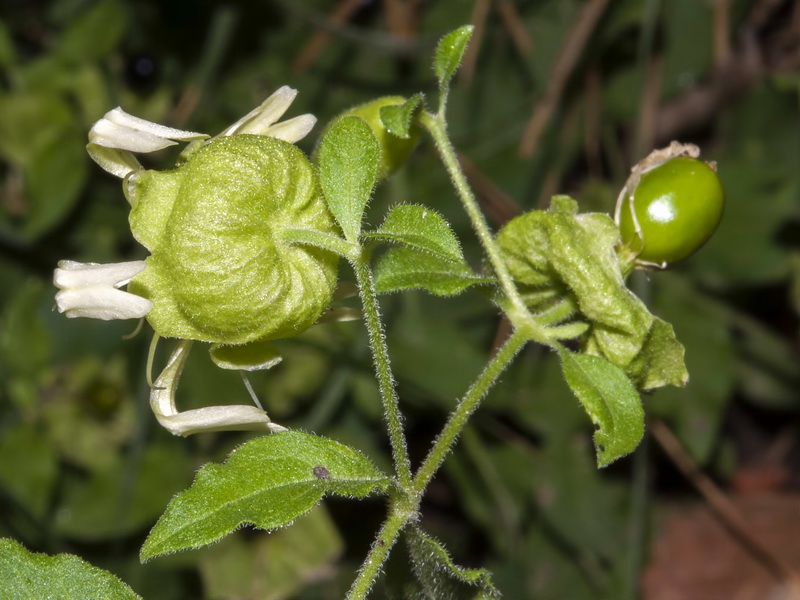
(678, 206)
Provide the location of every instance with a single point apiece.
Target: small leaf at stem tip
(611, 401)
(397, 118)
(449, 54)
(348, 165)
(407, 268)
(421, 228)
(267, 482)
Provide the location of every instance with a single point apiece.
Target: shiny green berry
(678, 206)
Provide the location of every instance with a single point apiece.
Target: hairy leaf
(28, 575)
(437, 575)
(348, 166)
(421, 228)
(267, 482)
(405, 268)
(449, 54)
(611, 401)
(398, 118)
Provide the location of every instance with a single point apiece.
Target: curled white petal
(261, 118)
(293, 130)
(211, 418)
(115, 137)
(118, 129)
(91, 290)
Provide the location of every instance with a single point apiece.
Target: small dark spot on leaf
(321, 472)
(601, 447)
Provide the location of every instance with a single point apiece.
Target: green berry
(678, 206)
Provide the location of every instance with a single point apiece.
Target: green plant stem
(405, 504)
(461, 414)
(517, 312)
(383, 371)
(399, 517)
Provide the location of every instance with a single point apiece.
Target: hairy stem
(459, 417)
(405, 505)
(517, 312)
(399, 517)
(380, 355)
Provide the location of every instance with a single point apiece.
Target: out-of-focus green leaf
(28, 467)
(122, 497)
(64, 576)
(696, 410)
(7, 53)
(94, 34)
(25, 345)
(275, 566)
(407, 268)
(758, 170)
(267, 482)
(437, 575)
(348, 167)
(420, 228)
(611, 401)
(53, 183)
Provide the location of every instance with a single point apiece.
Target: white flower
(114, 138)
(235, 417)
(264, 119)
(92, 290)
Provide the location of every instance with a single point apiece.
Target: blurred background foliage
(554, 96)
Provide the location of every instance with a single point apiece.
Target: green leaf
(449, 54)
(420, 228)
(660, 361)
(611, 401)
(398, 118)
(267, 482)
(28, 467)
(94, 34)
(439, 577)
(254, 356)
(405, 269)
(28, 575)
(348, 165)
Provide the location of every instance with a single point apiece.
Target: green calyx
(567, 270)
(677, 206)
(219, 269)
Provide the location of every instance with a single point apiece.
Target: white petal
(118, 129)
(258, 120)
(212, 418)
(120, 117)
(102, 302)
(293, 130)
(73, 274)
(216, 418)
